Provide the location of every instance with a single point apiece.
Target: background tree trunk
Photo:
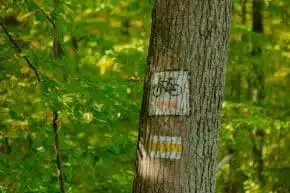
(244, 11)
(179, 120)
(258, 93)
(58, 53)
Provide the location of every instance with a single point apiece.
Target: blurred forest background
(96, 86)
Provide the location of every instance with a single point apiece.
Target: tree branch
(224, 161)
(57, 54)
(19, 51)
(56, 147)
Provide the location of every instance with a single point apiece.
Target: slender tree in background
(244, 11)
(258, 92)
(57, 51)
(236, 92)
(182, 98)
(257, 27)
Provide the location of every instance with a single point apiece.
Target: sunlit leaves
(105, 63)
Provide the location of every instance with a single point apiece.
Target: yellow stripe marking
(165, 147)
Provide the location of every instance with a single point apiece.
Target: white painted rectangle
(167, 139)
(169, 93)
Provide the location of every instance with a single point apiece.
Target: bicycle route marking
(169, 93)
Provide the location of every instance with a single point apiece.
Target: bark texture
(192, 36)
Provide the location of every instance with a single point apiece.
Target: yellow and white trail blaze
(165, 147)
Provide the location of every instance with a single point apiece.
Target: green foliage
(97, 88)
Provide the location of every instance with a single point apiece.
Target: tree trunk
(183, 91)
(257, 16)
(258, 93)
(57, 51)
(244, 11)
(258, 146)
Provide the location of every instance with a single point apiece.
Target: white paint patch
(169, 93)
(165, 155)
(167, 139)
(165, 147)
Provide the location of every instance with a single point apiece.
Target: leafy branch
(57, 54)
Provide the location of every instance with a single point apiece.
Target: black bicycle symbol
(167, 85)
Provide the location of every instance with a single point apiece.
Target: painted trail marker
(169, 93)
(165, 147)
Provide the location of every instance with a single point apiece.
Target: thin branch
(46, 16)
(57, 54)
(19, 51)
(224, 161)
(58, 155)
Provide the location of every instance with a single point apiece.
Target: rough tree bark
(183, 91)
